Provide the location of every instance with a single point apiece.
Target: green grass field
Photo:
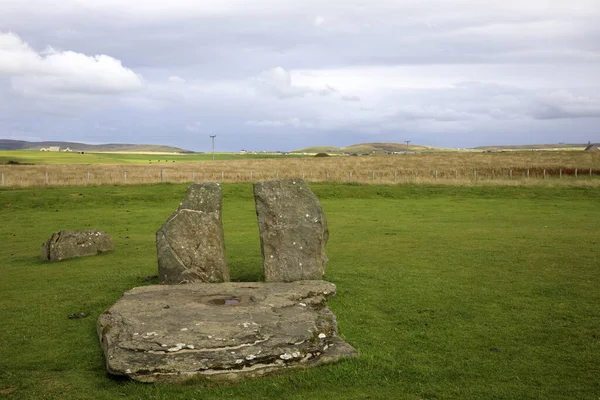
(38, 157)
(446, 292)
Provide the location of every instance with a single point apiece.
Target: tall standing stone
(190, 245)
(293, 231)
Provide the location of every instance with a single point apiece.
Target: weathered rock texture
(71, 244)
(190, 245)
(227, 330)
(293, 230)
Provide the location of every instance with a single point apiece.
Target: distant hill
(382, 148)
(9, 144)
(369, 148)
(565, 146)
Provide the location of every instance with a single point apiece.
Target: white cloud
(319, 20)
(176, 79)
(16, 57)
(293, 122)
(102, 127)
(266, 122)
(62, 71)
(278, 82)
(282, 84)
(350, 98)
(195, 127)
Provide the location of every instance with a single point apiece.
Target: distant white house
(51, 148)
(68, 149)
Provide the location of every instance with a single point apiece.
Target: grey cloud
(359, 36)
(212, 67)
(563, 104)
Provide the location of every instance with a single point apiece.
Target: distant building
(592, 147)
(54, 148)
(68, 149)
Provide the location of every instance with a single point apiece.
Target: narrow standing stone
(293, 231)
(190, 245)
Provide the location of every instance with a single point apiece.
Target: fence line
(97, 175)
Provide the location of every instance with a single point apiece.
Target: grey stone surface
(220, 331)
(206, 197)
(293, 230)
(71, 244)
(190, 245)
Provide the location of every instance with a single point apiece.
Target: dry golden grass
(510, 168)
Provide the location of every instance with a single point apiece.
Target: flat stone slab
(220, 330)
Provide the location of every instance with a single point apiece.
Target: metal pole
(213, 145)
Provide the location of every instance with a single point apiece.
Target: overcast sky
(281, 75)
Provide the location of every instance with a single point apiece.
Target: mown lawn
(446, 292)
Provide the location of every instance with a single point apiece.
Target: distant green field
(38, 157)
(446, 292)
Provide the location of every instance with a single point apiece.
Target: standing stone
(293, 231)
(190, 245)
(71, 244)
